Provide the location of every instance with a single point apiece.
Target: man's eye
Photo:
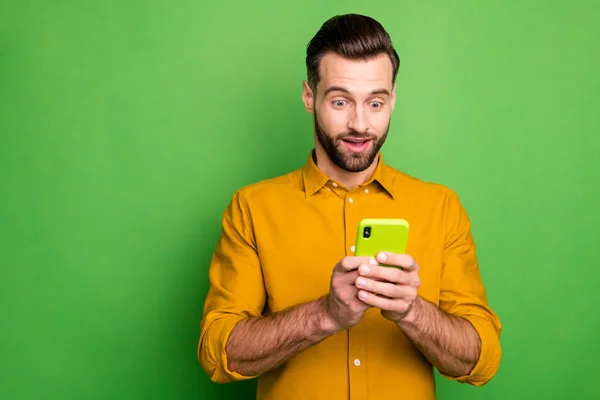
(339, 103)
(376, 104)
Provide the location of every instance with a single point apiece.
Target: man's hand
(391, 289)
(342, 303)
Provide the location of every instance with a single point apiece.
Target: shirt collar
(314, 179)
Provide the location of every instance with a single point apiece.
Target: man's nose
(358, 120)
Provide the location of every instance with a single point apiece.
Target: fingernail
(364, 269)
(360, 282)
(382, 257)
(362, 295)
(373, 261)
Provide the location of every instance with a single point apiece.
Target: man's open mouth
(357, 145)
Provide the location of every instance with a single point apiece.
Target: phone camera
(367, 232)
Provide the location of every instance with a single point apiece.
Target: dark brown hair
(352, 36)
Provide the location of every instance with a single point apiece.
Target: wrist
(326, 323)
(412, 316)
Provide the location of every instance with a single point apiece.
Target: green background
(126, 127)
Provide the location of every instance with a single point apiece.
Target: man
(290, 303)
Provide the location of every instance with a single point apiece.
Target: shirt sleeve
(236, 290)
(463, 293)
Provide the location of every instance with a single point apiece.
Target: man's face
(352, 109)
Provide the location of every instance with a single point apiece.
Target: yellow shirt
(281, 239)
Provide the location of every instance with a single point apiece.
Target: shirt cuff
(213, 354)
(489, 357)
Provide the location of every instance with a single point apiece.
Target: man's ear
(307, 97)
(394, 97)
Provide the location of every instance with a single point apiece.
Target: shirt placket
(357, 337)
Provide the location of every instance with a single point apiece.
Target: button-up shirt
(280, 240)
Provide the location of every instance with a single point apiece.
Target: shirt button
(333, 184)
(357, 362)
(353, 248)
(350, 200)
(366, 190)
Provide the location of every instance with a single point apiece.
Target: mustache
(355, 135)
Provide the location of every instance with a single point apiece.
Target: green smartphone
(381, 234)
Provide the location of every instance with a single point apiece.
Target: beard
(343, 158)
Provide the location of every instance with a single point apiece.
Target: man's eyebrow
(344, 90)
(381, 91)
(335, 89)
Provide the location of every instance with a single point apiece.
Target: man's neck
(349, 179)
